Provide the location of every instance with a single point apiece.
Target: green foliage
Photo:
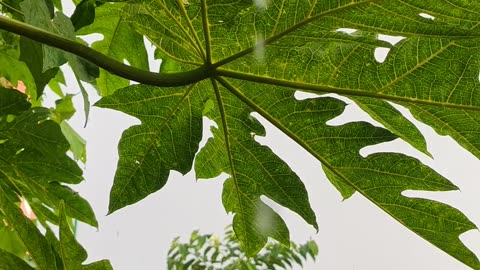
(209, 252)
(225, 60)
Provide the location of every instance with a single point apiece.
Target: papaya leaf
(261, 53)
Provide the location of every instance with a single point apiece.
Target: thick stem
(111, 65)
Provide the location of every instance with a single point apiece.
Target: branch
(109, 64)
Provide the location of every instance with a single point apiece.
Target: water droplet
(261, 4)
(259, 48)
(426, 16)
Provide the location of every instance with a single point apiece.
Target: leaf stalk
(109, 64)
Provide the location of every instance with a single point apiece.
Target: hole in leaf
(426, 16)
(153, 62)
(390, 39)
(207, 131)
(447, 197)
(381, 54)
(346, 30)
(299, 95)
(352, 113)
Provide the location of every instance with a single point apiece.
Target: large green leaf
(260, 54)
(298, 54)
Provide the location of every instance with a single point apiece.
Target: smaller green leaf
(12, 102)
(9, 261)
(77, 143)
(76, 206)
(54, 84)
(167, 139)
(35, 242)
(71, 252)
(64, 108)
(84, 14)
(11, 242)
(345, 190)
(31, 53)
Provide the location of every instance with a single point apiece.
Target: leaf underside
(260, 54)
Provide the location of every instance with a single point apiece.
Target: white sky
(353, 235)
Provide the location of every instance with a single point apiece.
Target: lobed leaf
(380, 177)
(254, 171)
(166, 140)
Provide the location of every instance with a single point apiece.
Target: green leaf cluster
(209, 252)
(226, 60)
(36, 167)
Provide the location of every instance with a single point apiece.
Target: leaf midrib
(321, 89)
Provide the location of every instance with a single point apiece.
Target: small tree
(209, 252)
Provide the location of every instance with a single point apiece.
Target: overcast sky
(353, 235)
